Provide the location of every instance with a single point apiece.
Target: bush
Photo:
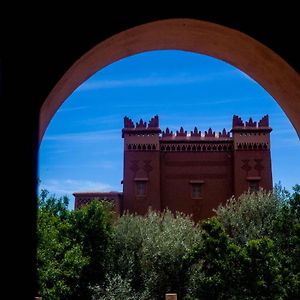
(148, 251)
(250, 216)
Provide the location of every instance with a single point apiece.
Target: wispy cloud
(105, 119)
(103, 135)
(72, 109)
(189, 102)
(69, 186)
(178, 79)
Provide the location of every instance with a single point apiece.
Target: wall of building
(180, 170)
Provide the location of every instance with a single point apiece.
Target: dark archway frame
(273, 73)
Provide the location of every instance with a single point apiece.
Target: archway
(232, 46)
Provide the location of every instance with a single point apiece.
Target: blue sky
(82, 149)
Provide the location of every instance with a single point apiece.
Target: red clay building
(192, 173)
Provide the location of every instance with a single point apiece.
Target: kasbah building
(189, 172)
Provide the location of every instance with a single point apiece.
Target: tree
(216, 265)
(287, 242)
(92, 229)
(148, 252)
(60, 261)
(73, 247)
(250, 216)
(222, 269)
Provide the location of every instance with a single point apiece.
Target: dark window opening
(196, 190)
(253, 186)
(141, 188)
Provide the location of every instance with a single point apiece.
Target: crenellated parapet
(210, 133)
(154, 122)
(196, 134)
(245, 135)
(264, 122)
(238, 124)
(141, 124)
(251, 135)
(181, 132)
(250, 123)
(224, 134)
(128, 123)
(141, 127)
(167, 133)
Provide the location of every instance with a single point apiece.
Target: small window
(141, 188)
(253, 186)
(196, 190)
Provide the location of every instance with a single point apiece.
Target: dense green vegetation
(249, 250)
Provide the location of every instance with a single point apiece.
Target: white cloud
(69, 186)
(178, 79)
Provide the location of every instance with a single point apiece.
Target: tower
(252, 158)
(141, 180)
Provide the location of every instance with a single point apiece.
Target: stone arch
(238, 49)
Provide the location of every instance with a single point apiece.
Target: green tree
(222, 269)
(92, 229)
(287, 242)
(216, 265)
(148, 252)
(251, 216)
(60, 261)
(263, 271)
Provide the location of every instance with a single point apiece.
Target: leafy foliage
(250, 216)
(60, 260)
(148, 251)
(250, 250)
(92, 229)
(72, 247)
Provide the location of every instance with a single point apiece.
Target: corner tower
(252, 158)
(141, 180)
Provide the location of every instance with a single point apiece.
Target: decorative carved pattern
(195, 147)
(258, 165)
(147, 167)
(134, 166)
(141, 147)
(252, 146)
(246, 167)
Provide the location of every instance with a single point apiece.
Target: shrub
(250, 216)
(148, 251)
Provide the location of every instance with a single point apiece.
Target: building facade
(189, 172)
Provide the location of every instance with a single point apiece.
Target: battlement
(239, 124)
(196, 134)
(142, 130)
(141, 127)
